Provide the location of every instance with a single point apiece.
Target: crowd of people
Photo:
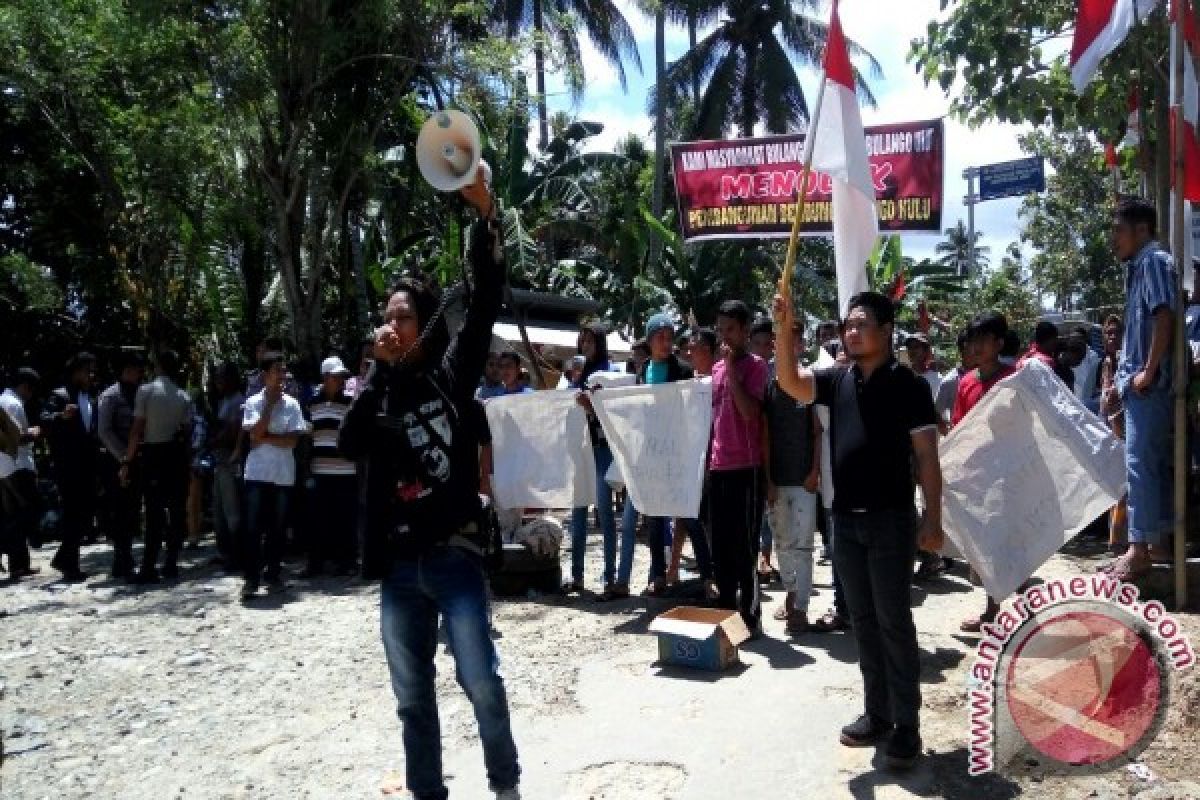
(381, 471)
(256, 454)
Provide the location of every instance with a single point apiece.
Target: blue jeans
(446, 581)
(656, 539)
(608, 522)
(839, 596)
(700, 547)
(766, 536)
(263, 540)
(1148, 464)
(873, 553)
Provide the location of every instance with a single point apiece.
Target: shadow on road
(935, 775)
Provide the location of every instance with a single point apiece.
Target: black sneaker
(249, 590)
(903, 748)
(865, 731)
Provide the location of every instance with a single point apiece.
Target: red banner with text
(747, 188)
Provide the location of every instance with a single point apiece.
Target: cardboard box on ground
(700, 638)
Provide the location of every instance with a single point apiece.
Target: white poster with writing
(1024, 472)
(541, 451)
(659, 439)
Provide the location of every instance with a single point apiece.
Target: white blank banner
(541, 452)
(659, 438)
(1024, 472)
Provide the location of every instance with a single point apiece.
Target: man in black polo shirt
(883, 424)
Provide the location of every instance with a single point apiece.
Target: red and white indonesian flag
(840, 151)
(1191, 96)
(1100, 27)
(1181, 11)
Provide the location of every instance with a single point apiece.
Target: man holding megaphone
(413, 424)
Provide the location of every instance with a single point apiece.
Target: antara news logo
(1074, 673)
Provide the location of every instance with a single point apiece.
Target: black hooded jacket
(419, 435)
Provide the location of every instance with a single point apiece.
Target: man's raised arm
(799, 382)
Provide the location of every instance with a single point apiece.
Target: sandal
(830, 622)
(1122, 571)
(975, 624)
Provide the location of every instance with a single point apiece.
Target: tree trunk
(539, 64)
(749, 94)
(691, 26)
(660, 133)
(660, 109)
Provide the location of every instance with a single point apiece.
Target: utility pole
(970, 174)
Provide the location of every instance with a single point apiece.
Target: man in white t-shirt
(273, 422)
(21, 501)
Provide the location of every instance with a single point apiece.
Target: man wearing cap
(70, 419)
(158, 447)
(333, 532)
(19, 499)
(123, 516)
(663, 366)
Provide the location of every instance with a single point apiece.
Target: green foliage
(746, 66)
(1004, 289)
(996, 56)
(27, 285)
(957, 249)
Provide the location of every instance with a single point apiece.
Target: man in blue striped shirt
(1143, 381)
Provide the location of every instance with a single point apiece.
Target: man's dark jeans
(165, 477)
(873, 553)
(20, 511)
(447, 582)
(333, 527)
(736, 499)
(123, 516)
(77, 493)
(262, 541)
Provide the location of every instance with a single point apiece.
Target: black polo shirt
(871, 425)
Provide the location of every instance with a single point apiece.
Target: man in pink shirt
(737, 490)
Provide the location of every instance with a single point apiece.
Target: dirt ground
(107, 691)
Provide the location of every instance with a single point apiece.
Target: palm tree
(749, 70)
(956, 250)
(556, 20)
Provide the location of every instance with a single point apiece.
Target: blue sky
(885, 29)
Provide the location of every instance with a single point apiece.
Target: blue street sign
(1012, 178)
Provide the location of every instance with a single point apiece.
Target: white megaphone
(449, 150)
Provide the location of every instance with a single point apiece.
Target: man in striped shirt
(334, 531)
(1143, 382)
